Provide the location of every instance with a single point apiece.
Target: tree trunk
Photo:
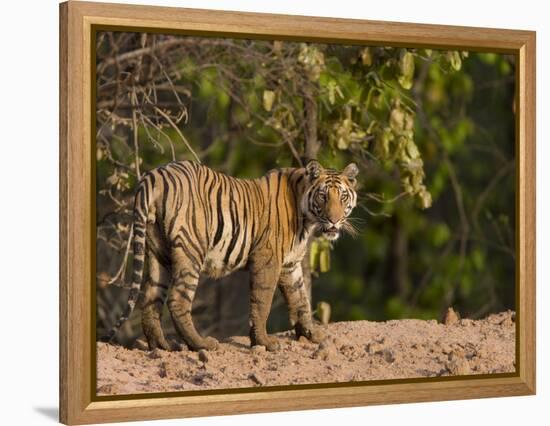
(312, 145)
(311, 149)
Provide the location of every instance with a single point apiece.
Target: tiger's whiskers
(350, 228)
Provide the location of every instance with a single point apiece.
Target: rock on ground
(353, 351)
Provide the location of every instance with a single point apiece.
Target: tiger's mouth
(330, 232)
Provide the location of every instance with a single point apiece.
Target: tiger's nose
(334, 213)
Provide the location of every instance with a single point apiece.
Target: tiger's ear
(313, 169)
(351, 172)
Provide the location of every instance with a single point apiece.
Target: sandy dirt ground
(353, 351)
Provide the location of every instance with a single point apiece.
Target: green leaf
(412, 149)
(366, 56)
(453, 57)
(405, 82)
(268, 98)
(441, 234)
(478, 259)
(397, 119)
(425, 199)
(333, 90)
(406, 69)
(414, 165)
(488, 58)
(342, 143)
(383, 139)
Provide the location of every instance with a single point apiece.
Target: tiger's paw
(208, 343)
(271, 343)
(318, 335)
(312, 332)
(160, 343)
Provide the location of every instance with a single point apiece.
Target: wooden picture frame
(78, 402)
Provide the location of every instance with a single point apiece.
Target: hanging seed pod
(268, 99)
(366, 56)
(397, 119)
(406, 69)
(324, 259)
(425, 199)
(314, 255)
(454, 59)
(323, 312)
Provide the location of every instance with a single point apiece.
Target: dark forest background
(431, 131)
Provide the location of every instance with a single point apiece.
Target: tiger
(191, 220)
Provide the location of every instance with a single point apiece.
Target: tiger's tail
(141, 208)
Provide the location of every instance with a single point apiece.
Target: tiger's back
(218, 220)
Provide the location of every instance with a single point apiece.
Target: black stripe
(219, 229)
(152, 178)
(138, 264)
(178, 188)
(298, 284)
(210, 184)
(278, 217)
(184, 274)
(165, 190)
(183, 293)
(138, 248)
(206, 205)
(180, 243)
(192, 287)
(235, 225)
(244, 242)
(136, 276)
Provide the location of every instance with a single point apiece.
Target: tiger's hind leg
(291, 283)
(262, 288)
(156, 285)
(185, 279)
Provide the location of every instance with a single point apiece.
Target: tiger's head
(329, 198)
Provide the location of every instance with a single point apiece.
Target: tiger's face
(330, 198)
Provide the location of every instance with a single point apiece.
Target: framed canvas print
(267, 212)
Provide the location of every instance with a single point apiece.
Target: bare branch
(178, 131)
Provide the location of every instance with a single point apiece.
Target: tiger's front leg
(262, 287)
(292, 286)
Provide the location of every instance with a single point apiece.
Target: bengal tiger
(190, 219)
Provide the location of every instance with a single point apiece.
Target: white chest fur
(297, 252)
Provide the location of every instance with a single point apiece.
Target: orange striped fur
(191, 220)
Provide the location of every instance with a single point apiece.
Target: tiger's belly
(216, 265)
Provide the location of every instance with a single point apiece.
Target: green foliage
(458, 109)
(427, 128)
